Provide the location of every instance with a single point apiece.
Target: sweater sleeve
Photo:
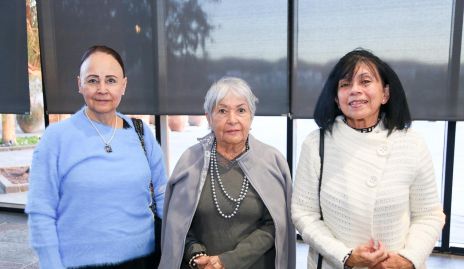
(43, 199)
(157, 167)
(49, 255)
(427, 218)
(305, 205)
(192, 246)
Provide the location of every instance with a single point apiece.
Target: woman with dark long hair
(375, 205)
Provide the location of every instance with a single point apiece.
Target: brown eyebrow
(365, 74)
(96, 76)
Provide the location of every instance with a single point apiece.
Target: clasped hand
(394, 261)
(377, 257)
(209, 262)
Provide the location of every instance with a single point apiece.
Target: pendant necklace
(107, 147)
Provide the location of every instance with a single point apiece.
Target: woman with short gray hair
(227, 201)
(225, 85)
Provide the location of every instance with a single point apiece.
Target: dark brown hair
(395, 112)
(104, 49)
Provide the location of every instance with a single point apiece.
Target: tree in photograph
(34, 121)
(8, 129)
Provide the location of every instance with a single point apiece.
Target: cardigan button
(383, 150)
(372, 181)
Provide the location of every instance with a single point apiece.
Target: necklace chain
(214, 170)
(107, 147)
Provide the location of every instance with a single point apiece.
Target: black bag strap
(321, 155)
(138, 125)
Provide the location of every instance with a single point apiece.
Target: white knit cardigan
(373, 186)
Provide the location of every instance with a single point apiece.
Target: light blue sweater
(87, 206)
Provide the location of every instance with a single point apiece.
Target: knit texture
(373, 186)
(87, 206)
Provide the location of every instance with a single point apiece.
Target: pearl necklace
(107, 147)
(243, 190)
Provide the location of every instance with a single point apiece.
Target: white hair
(223, 87)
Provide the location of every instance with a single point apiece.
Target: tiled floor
(15, 252)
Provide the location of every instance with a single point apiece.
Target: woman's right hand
(367, 255)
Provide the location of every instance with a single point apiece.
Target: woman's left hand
(209, 262)
(394, 261)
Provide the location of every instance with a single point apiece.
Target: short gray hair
(223, 87)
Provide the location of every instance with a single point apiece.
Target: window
(433, 133)
(270, 130)
(412, 36)
(457, 208)
(206, 40)
(302, 128)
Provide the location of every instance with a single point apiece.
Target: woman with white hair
(227, 201)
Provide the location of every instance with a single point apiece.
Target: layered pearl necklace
(107, 147)
(214, 170)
